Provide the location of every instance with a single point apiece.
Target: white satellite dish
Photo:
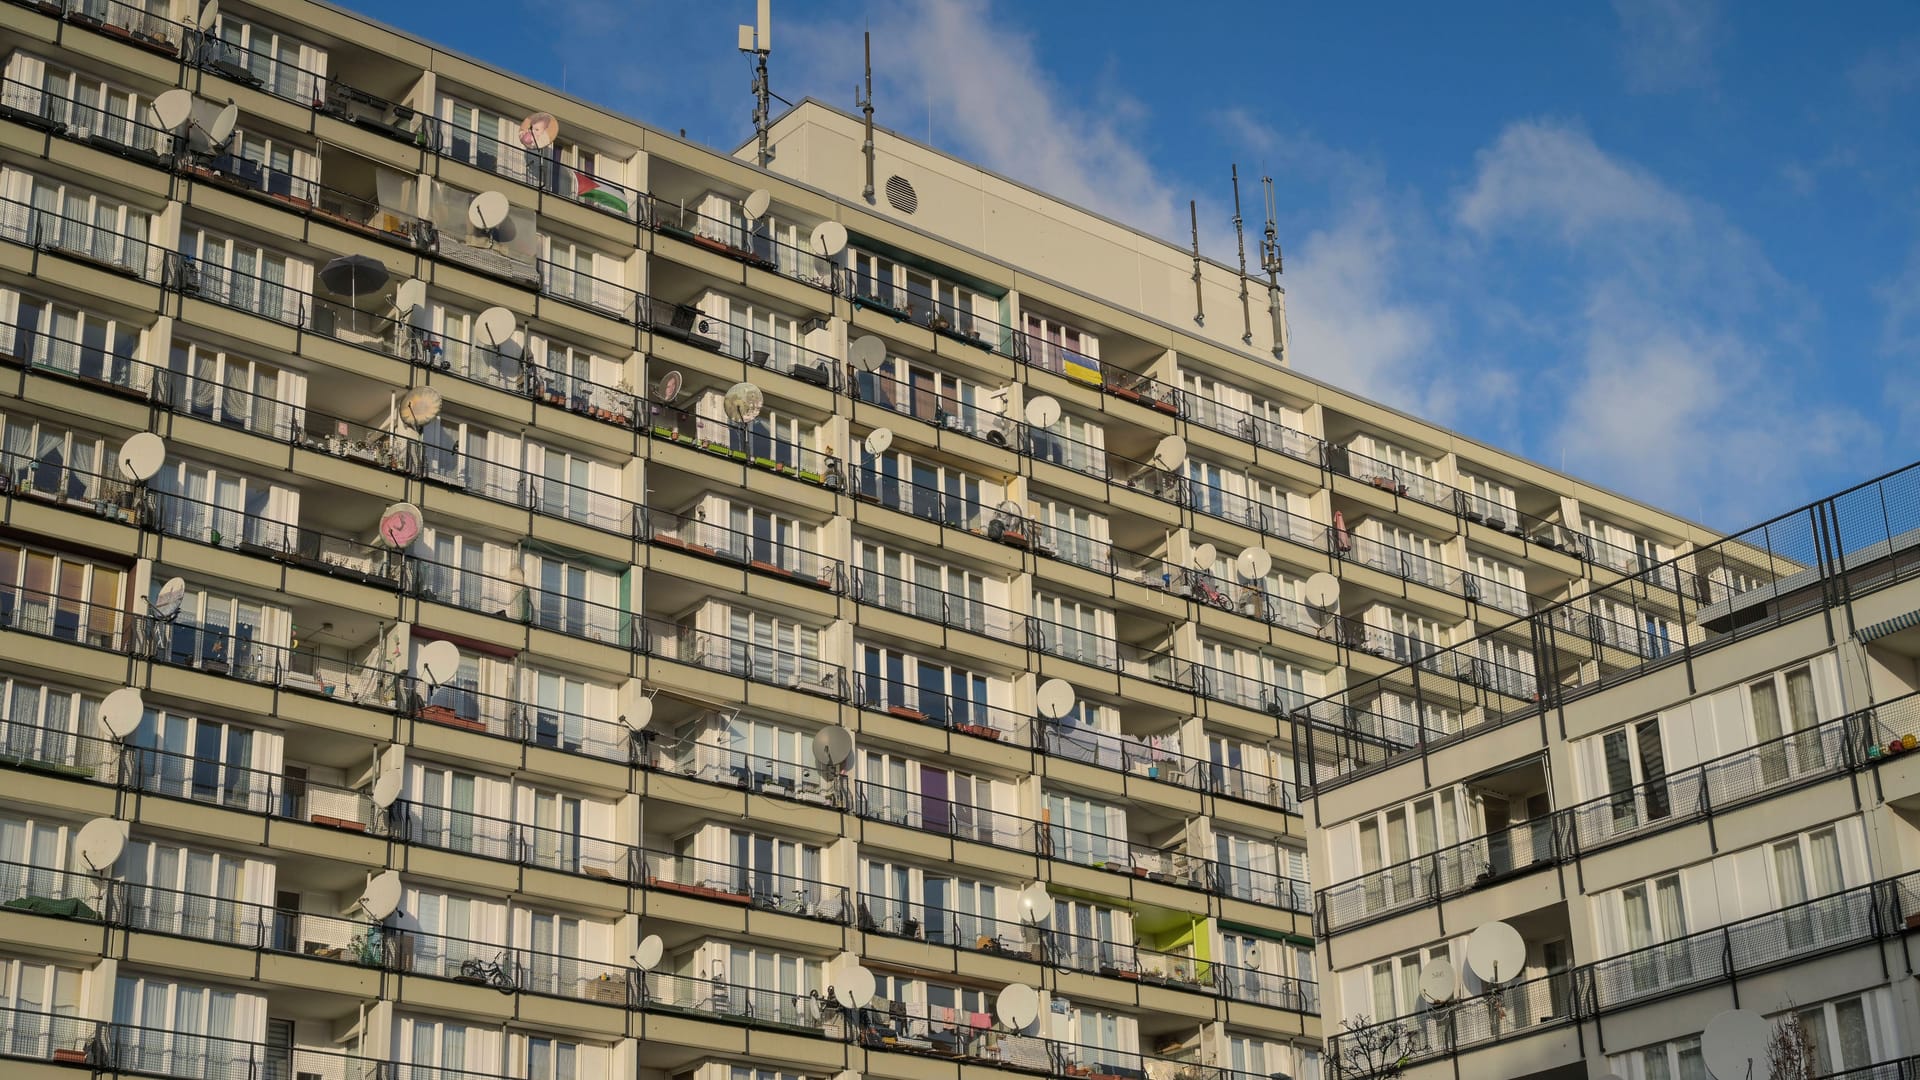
(1055, 698)
(867, 352)
(100, 842)
(1496, 953)
(410, 296)
(122, 711)
(1203, 556)
(640, 717)
(141, 456)
(421, 406)
(1735, 1045)
(438, 661)
(400, 525)
(1438, 981)
(1017, 1005)
(209, 13)
(832, 745)
(538, 131)
(1043, 412)
(853, 987)
(386, 787)
(668, 387)
(166, 602)
(173, 109)
(1170, 454)
(743, 403)
(647, 956)
(487, 210)
(1253, 564)
(754, 206)
(1322, 590)
(829, 239)
(1036, 903)
(878, 441)
(493, 326)
(222, 127)
(381, 897)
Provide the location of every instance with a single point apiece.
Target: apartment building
(1704, 808)
(443, 694)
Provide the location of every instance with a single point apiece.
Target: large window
(242, 274)
(39, 723)
(53, 461)
(82, 102)
(69, 340)
(214, 505)
(282, 65)
(213, 384)
(44, 592)
(1785, 712)
(77, 221)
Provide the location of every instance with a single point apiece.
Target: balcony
(510, 841)
(46, 479)
(534, 168)
(546, 495)
(167, 1053)
(514, 600)
(714, 764)
(525, 723)
(106, 366)
(236, 289)
(1263, 518)
(944, 317)
(262, 71)
(956, 929)
(923, 705)
(1133, 963)
(613, 299)
(1388, 559)
(952, 510)
(43, 614)
(1450, 871)
(764, 555)
(743, 659)
(755, 887)
(742, 241)
(713, 998)
(95, 245)
(130, 23)
(58, 114)
(1122, 753)
(934, 603)
(1258, 430)
(203, 522)
(314, 199)
(744, 445)
(943, 411)
(938, 815)
(1390, 478)
(1118, 855)
(756, 347)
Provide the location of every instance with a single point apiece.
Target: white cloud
(1668, 45)
(1541, 175)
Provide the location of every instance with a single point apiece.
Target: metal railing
(581, 289)
(939, 815)
(1453, 870)
(39, 1035)
(308, 195)
(715, 997)
(1142, 389)
(167, 1052)
(778, 557)
(1117, 854)
(108, 365)
(353, 105)
(528, 603)
(955, 511)
(933, 602)
(742, 659)
(911, 701)
(750, 242)
(1120, 753)
(945, 317)
(944, 411)
(236, 289)
(49, 615)
(757, 773)
(757, 887)
(757, 347)
(544, 494)
(536, 168)
(130, 22)
(83, 122)
(264, 71)
(1264, 518)
(510, 841)
(1069, 453)
(1258, 430)
(1389, 478)
(1392, 560)
(743, 444)
(958, 929)
(1817, 557)
(100, 245)
(525, 722)
(82, 490)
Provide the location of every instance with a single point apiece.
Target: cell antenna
(865, 103)
(1271, 262)
(758, 40)
(1240, 237)
(1199, 305)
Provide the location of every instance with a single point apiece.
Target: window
(198, 894)
(930, 797)
(53, 461)
(53, 214)
(478, 136)
(571, 598)
(214, 506)
(553, 953)
(1391, 838)
(213, 384)
(774, 648)
(1803, 870)
(49, 593)
(170, 1014)
(82, 102)
(1496, 584)
(575, 272)
(1636, 774)
(574, 377)
(1785, 716)
(1079, 536)
(1089, 937)
(1058, 347)
(918, 687)
(244, 275)
(33, 860)
(1490, 501)
(1075, 629)
(1410, 637)
(905, 582)
(1412, 555)
(937, 492)
(274, 165)
(782, 875)
(1652, 913)
(280, 65)
(1841, 1033)
(69, 340)
(1073, 442)
(33, 993)
(202, 759)
(40, 722)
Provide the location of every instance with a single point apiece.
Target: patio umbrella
(351, 275)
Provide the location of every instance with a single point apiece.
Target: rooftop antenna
(1271, 262)
(1240, 237)
(865, 103)
(758, 40)
(1199, 305)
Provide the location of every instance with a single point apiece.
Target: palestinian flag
(588, 190)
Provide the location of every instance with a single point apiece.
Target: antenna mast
(865, 103)
(1271, 262)
(758, 40)
(1199, 305)
(1240, 237)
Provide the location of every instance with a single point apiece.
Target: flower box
(70, 1055)
(979, 730)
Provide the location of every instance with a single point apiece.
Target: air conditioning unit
(817, 374)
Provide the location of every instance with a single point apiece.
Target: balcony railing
(1148, 757)
(107, 365)
(1258, 886)
(1389, 477)
(510, 841)
(1391, 560)
(777, 557)
(261, 70)
(1070, 453)
(1265, 988)
(744, 444)
(951, 509)
(957, 929)
(1134, 963)
(715, 998)
(548, 495)
(130, 22)
(309, 196)
(1265, 518)
(939, 815)
(128, 136)
(37, 1035)
(1117, 854)
(1142, 390)
(944, 317)
(458, 706)
(104, 246)
(392, 119)
(943, 411)
(536, 168)
(528, 603)
(581, 289)
(166, 1052)
(47, 479)
(48, 615)
(236, 289)
(1739, 949)
(1450, 871)
(933, 602)
(751, 243)
(927, 705)
(713, 764)
(744, 659)
(757, 887)
(758, 347)
(1258, 430)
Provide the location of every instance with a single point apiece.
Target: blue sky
(1672, 246)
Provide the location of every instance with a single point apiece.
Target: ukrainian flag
(1084, 368)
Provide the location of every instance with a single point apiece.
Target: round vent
(901, 196)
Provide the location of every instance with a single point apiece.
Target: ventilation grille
(901, 196)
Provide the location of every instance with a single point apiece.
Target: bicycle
(489, 973)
